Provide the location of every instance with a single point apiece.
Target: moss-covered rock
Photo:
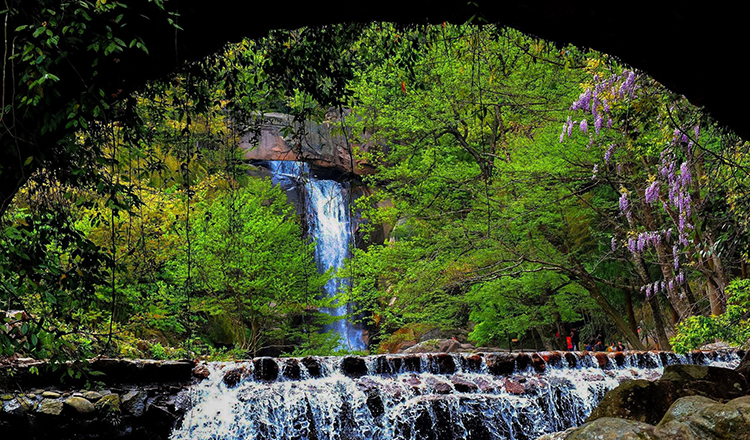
(80, 405)
(609, 428)
(108, 403)
(50, 407)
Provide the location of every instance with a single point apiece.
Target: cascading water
(414, 397)
(330, 227)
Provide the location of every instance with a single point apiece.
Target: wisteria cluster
(645, 239)
(678, 185)
(594, 100)
(671, 184)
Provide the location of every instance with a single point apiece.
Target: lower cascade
(413, 397)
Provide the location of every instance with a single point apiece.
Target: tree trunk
(588, 283)
(653, 302)
(631, 314)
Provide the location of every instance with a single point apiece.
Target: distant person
(600, 346)
(620, 346)
(575, 338)
(569, 341)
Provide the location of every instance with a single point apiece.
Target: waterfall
(414, 397)
(329, 223)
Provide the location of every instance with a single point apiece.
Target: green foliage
(732, 327)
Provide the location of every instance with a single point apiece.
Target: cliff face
(276, 136)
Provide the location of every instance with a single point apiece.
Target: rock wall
(101, 399)
(276, 136)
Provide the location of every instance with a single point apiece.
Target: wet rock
(613, 429)
(522, 361)
(554, 358)
(438, 386)
(538, 363)
(442, 364)
(500, 364)
(291, 369)
(80, 405)
(572, 359)
(387, 364)
(471, 363)
(235, 376)
(50, 395)
(312, 365)
(602, 360)
(353, 366)
(413, 381)
(201, 372)
(266, 369)
(50, 407)
(108, 403)
(514, 387)
(463, 385)
(619, 358)
(372, 391)
(486, 386)
(412, 363)
(134, 402)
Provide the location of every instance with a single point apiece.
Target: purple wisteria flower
(642, 242)
(584, 126)
(697, 131)
(595, 171)
(614, 244)
(608, 154)
(676, 257)
(631, 245)
(652, 192)
(624, 202)
(598, 124)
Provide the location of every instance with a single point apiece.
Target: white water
(330, 227)
(467, 403)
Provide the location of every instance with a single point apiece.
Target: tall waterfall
(329, 223)
(414, 397)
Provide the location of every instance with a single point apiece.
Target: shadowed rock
(312, 365)
(266, 369)
(499, 364)
(291, 369)
(353, 366)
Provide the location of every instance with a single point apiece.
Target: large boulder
(609, 428)
(700, 418)
(720, 383)
(639, 400)
(648, 402)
